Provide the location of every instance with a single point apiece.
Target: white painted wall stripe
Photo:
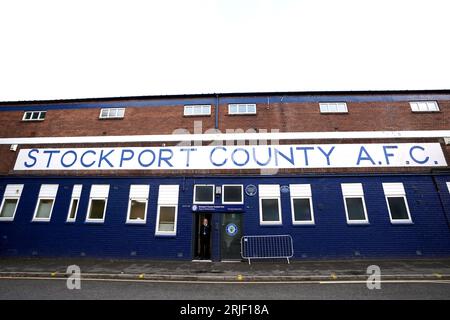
(231, 137)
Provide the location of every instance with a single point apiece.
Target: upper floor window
(34, 116)
(112, 113)
(97, 203)
(46, 200)
(197, 110)
(167, 212)
(10, 201)
(355, 206)
(333, 107)
(396, 202)
(242, 108)
(232, 194)
(269, 204)
(424, 106)
(204, 194)
(137, 205)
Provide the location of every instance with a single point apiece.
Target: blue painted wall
(330, 237)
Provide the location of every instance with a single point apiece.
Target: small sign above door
(218, 208)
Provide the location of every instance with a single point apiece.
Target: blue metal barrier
(267, 247)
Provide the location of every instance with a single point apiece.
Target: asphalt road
(94, 289)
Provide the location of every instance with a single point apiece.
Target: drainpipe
(217, 112)
(443, 206)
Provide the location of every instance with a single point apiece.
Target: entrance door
(230, 236)
(198, 221)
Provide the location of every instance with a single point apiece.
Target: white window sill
(41, 220)
(136, 222)
(357, 223)
(268, 224)
(401, 222)
(303, 223)
(7, 219)
(94, 221)
(163, 234)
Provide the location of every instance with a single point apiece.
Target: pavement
(257, 271)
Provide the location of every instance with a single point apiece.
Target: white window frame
(189, 110)
(400, 194)
(76, 195)
(359, 194)
(303, 194)
(324, 107)
(9, 197)
(37, 219)
(69, 219)
(232, 185)
(166, 233)
(205, 202)
(271, 197)
(448, 186)
(90, 220)
(143, 199)
(91, 198)
(247, 105)
(424, 106)
(109, 116)
(34, 112)
(167, 198)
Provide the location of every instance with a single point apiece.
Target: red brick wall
(287, 117)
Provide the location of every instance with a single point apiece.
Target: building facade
(346, 174)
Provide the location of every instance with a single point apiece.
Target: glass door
(230, 236)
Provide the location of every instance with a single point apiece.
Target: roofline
(227, 94)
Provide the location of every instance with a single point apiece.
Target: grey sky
(60, 49)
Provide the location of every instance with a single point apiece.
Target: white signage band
(234, 157)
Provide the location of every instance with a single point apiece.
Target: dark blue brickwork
(330, 237)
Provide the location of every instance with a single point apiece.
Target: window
(355, 206)
(137, 206)
(166, 220)
(97, 203)
(74, 202)
(269, 204)
(204, 194)
(424, 106)
(197, 110)
(333, 107)
(10, 201)
(34, 115)
(46, 200)
(396, 203)
(112, 113)
(232, 194)
(301, 204)
(242, 108)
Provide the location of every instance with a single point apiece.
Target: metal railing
(267, 247)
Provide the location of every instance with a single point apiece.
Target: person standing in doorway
(205, 233)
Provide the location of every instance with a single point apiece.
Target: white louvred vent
(394, 189)
(168, 194)
(76, 192)
(13, 190)
(99, 191)
(48, 191)
(300, 190)
(139, 191)
(352, 189)
(269, 190)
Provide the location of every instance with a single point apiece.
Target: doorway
(198, 221)
(230, 236)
